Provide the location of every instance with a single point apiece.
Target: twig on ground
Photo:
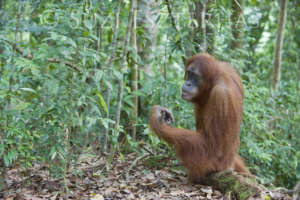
(134, 163)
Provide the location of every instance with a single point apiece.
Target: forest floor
(128, 178)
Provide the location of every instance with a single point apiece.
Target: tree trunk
(279, 42)
(237, 25)
(147, 19)
(147, 16)
(134, 71)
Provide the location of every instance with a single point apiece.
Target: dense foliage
(56, 68)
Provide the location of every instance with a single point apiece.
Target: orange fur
(218, 112)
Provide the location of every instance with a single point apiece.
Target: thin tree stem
(111, 62)
(279, 44)
(123, 66)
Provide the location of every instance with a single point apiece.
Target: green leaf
(177, 37)
(6, 160)
(88, 24)
(28, 90)
(85, 33)
(21, 106)
(102, 102)
(52, 153)
(72, 42)
(117, 74)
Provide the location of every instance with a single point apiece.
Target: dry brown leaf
(109, 191)
(97, 197)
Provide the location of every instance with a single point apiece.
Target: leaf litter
(95, 182)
